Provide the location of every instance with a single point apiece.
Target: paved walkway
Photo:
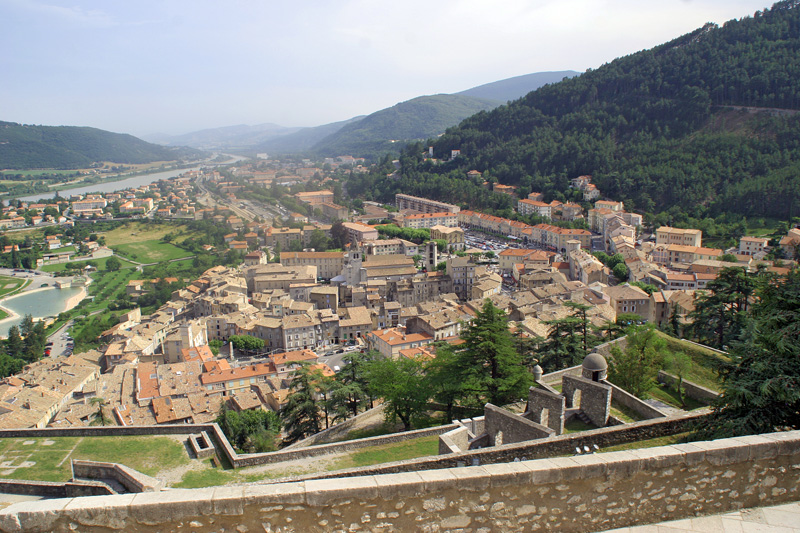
(778, 519)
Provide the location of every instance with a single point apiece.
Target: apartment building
(428, 220)
(684, 237)
(423, 205)
(752, 245)
(315, 197)
(328, 264)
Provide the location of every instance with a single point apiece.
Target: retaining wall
(626, 399)
(336, 431)
(129, 478)
(569, 494)
(692, 390)
(536, 449)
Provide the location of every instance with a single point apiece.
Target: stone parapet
(568, 494)
(692, 390)
(640, 407)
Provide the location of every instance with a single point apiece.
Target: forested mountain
(702, 125)
(240, 136)
(518, 86)
(303, 139)
(389, 129)
(65, 147)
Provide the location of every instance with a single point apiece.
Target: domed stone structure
(595, 367)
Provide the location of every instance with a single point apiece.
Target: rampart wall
(568, 494)
(692, 390)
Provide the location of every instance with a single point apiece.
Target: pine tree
(720, 312)
(300, 415)
(762, 390)
(636, 367)
(491, 369)
(402, 385)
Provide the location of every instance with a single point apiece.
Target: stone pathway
(777, 519)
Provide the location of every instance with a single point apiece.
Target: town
(378, 291)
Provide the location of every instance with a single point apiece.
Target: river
(127, 183)
(110, 186)
(38, 303)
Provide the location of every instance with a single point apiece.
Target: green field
(210, 475)
(396, 451)
(706, 364)
(43, 459)
(100, 263)
(34, 173)
(150, 251)
(9, 284)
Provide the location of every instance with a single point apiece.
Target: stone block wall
(595, 398)
(640, 407)
(568, 494)
(129, 478)
(554, 378)
(539, 401)
(337, 431)
(692, 390)
(536, 449)
(505, 427)
(454, 441)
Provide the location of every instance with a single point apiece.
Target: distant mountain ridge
(390, 129)
(385, 130)
(303, 139)
(701, 126)
(25, 147)
(226, 137)
(518, 86)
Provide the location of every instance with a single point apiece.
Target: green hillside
(302, 140)
(389, 129)
(26, 147)
(518, 86)
(657, 129)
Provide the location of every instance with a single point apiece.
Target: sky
(176, 66)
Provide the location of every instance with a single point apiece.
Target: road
(59, 340)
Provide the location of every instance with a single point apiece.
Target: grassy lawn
(9, 284)
(150, 251)
(624, 414)
(669, 396)
(396, 451)
(211, 476)
(706, 363)
(650, 443)
(49, 459)
(575, 425)
(100, 263)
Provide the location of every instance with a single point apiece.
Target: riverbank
(38, 308)
(121, 182)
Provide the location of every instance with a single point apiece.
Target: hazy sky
(174, 66)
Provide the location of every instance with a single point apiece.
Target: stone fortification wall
(339, 447)
(543, 402)
(454, 441)
(554, 378)
(537, 449)
(129, 478)
(505, 427)
(640, 407)
(568, 494)
(53, 489)
(595, 398)
(692, 390)
(222, 444)
(339, 430)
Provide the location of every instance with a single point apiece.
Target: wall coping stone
(158, 508)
